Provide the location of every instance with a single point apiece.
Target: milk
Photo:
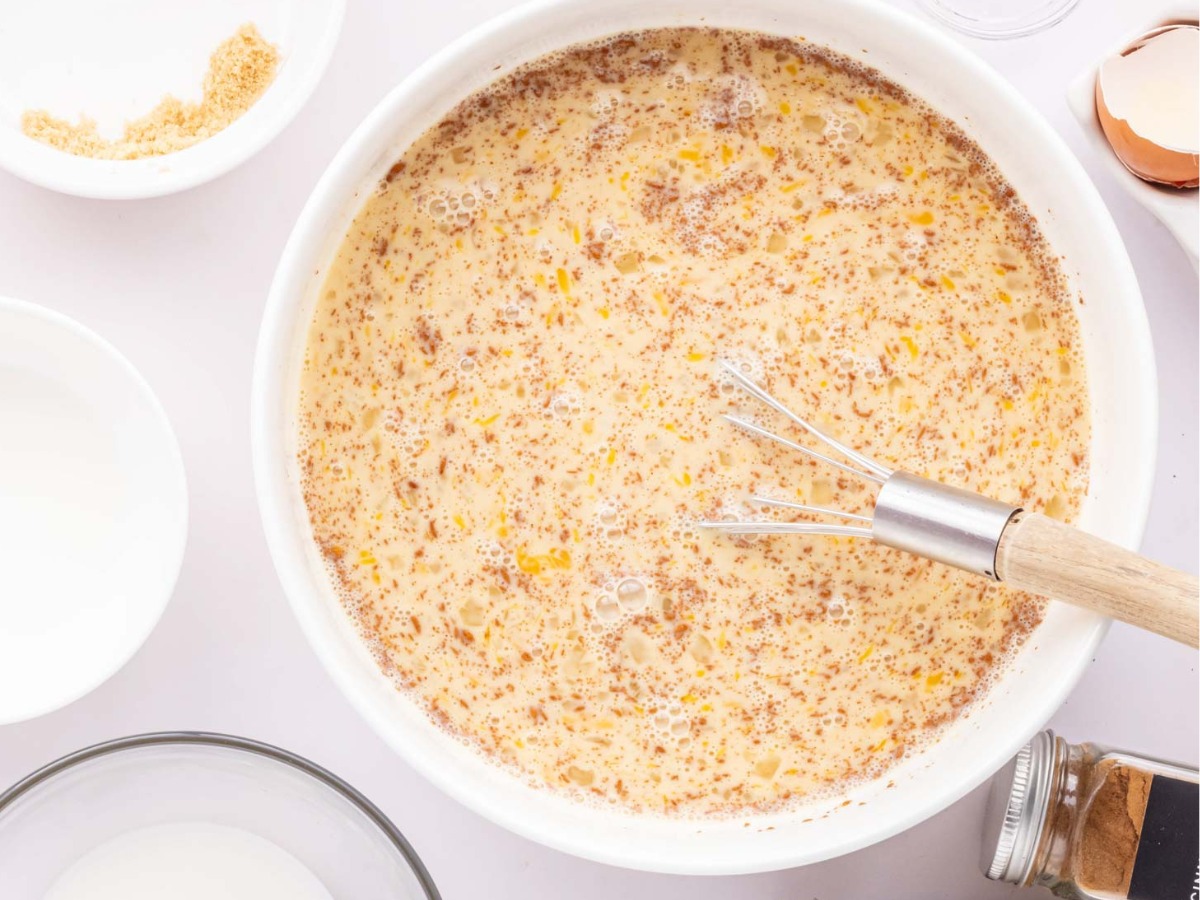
(187, 861)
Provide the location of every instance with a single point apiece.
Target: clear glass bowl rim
(1032, 23)
(229, 742)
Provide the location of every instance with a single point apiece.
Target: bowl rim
(275, 503)
(228, 742)
(177, 544)
(83, 176)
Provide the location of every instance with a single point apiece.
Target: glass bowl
(58, 814)
(998, 19)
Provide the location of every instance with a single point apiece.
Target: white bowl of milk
(195, 816)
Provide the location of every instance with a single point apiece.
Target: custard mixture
(510, 417)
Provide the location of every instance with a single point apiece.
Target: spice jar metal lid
(1016, 811)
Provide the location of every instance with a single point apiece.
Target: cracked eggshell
(1148, 103)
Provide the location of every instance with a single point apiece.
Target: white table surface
(178, 284)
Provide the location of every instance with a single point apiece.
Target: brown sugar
(1108, 843)
(239, 71)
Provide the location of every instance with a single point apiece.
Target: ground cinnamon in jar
(1094, 823)
(1108, 840)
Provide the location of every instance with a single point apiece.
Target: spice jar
(1090, 822)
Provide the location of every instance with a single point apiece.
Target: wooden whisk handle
(1044, 556)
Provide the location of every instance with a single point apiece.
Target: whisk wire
(787, 528)
(874, 472)
(881, 472)
(820, 510)
(792, 445)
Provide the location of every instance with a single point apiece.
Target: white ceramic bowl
(115, 62)
(1116, 342)
(93, 510)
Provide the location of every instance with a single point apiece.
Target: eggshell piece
(1146, 101)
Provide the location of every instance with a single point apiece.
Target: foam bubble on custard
(678, 75)
(733, 98)
(456, 205)
(606, 103)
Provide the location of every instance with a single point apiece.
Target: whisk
(1026, 550)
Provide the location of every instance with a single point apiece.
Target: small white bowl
(77, 57)
(93, 510)
(1178, 210)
